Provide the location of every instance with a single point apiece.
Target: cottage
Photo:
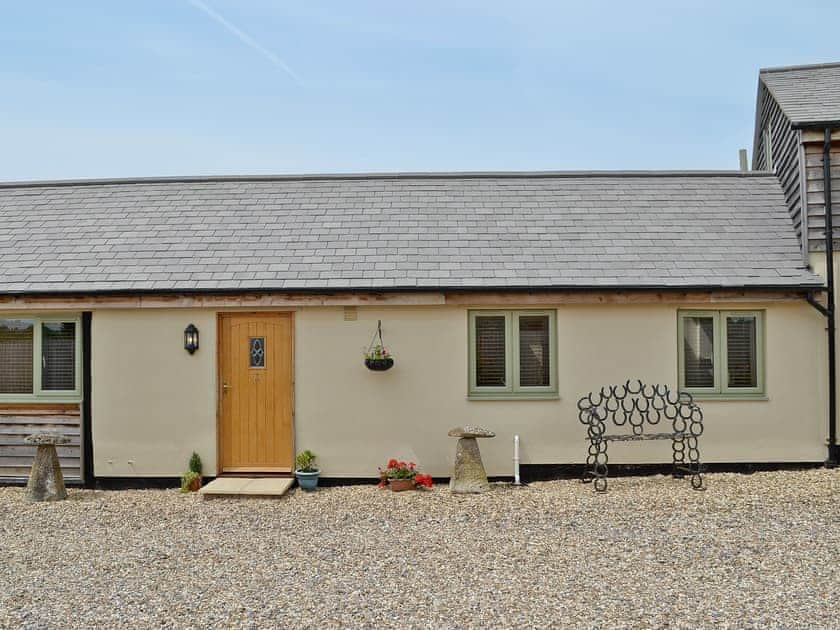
(228, 315)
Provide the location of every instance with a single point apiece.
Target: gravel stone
(756, 550)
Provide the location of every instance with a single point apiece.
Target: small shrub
(195, 464)
(187, 479)
(305, 462)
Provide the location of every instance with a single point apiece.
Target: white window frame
(720, 357)
(38, 394)
(513, 390)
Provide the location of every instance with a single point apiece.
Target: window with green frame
(512, 354)
(721, 353)
(40, 358)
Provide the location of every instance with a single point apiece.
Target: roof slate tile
(806, 94)
(390, 231)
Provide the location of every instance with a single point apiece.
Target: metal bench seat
(620, 437)
(637, 406)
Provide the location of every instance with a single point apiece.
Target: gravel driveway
(753, 550)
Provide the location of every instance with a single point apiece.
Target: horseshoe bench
(632, 408)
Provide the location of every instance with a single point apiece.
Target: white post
(516, 480)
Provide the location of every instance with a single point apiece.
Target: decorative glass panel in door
(256, 349)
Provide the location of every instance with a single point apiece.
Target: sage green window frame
(720, 356)
(38, 394)
(513, 390)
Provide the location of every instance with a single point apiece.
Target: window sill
(730, 397)
(515, 397)
(29, 399)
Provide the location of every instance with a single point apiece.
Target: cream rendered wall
(818, 264)
(355, 419)
(153, 404)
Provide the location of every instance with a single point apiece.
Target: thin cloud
(245, 38)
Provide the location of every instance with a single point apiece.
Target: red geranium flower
(423, 480)
(392, 463)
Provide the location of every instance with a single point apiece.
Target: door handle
(225, 387)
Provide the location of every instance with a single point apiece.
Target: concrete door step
(232, 487)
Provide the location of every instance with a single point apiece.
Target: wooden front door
(255, 392)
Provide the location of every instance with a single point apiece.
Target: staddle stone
(46, 483)
(471, 432)
(468, 475)
(47, 437)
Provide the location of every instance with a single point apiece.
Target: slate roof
(390, 231)
(806, 94)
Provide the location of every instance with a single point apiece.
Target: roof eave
(816, 124)
(386, 175)
(801, 287)
(759, 103)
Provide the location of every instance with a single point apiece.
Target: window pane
(534, 366)
(490, 351)
(58, 356)
(16, 347)
(256, 352)
(741, 351)
(698, 348)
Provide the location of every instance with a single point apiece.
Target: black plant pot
(379, 365)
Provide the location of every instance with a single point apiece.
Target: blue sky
(176, 87)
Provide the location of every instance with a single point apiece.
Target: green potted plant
(306, 471)
(379, 359)
(191, 480)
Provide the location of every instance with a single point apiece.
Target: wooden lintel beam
(289, 300)
(618, 297)
(223, 301)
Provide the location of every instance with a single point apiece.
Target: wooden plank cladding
(797, 159)
(785, 143)
(39, 408)
(19, 420)
(814, 185)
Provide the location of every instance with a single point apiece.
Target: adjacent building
(797, 137)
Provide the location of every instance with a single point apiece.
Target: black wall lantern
(191, 339)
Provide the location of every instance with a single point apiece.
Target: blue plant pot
(307, 480)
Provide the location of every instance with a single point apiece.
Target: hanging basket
(379, 365)
(377, 357)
